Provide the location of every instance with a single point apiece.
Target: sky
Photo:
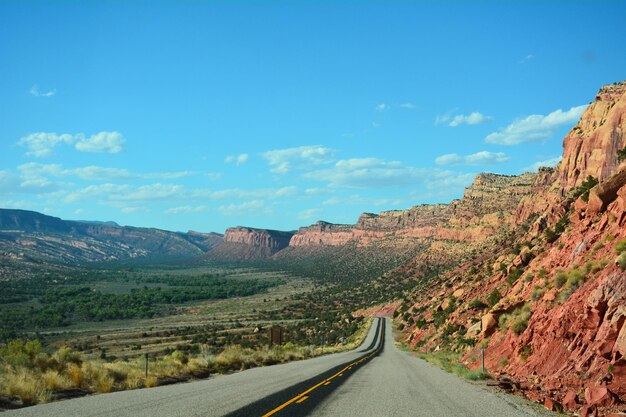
(189, 115)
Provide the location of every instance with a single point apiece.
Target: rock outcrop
(550, 301)
(591, 146)
(248, 244)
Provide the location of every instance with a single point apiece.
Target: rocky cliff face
(485, 207)
(246, 244)
(547, 303)
(591, 146)
(274, 240)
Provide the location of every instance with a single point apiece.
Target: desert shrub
(66, 356)
(477, 304)
(420, 323)
(560, 279)
(621, 261)
(621, 154)
(493, 297)
(19, 353)
(575, 279)
(439, 318)
(53, 380)
(27, 385)
(583, 189)
(513, 276)
(517, 320)
(620, 246)
(179, 356)
(525, 352)
(537, 293)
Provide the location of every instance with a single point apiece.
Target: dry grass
(27, 385)
(36, 381)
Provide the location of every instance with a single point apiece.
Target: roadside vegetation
(32, 376)
(449, 361)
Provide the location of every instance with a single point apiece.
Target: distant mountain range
(28, 234)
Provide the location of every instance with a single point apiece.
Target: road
(374, 380)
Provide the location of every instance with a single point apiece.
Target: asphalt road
(374, 380)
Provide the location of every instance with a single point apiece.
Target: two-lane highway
(374, 380)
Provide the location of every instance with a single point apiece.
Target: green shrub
(561, 278)
(513, 276)
(621, 261)
(575, 279)
(621, 154)
(537, 293)
(493, 297)
(583, 190)
(620, 246)
(477, 304)
(517, 320)
(19, 353)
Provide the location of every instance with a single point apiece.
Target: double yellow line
(304, 395)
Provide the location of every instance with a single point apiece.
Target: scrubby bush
(560, 279)
(493, 297)
(477, 304)
(537, 293)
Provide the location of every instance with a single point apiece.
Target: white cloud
(34, 91)
(103, 142)
(16, 204)
(36, 170)
(377, 173)
(478, 158)
(42, 144)
(382, 107)
(407, 106)
(185, 209)
(283, 161)
(309, 214)
(135, 209)
(214, 176)
(535, 127)
(254, 207)
(473, 118)
(547, 163)
(237, 159)
(527, 58)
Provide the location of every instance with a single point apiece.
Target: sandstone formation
(246, 244)
(551, 297)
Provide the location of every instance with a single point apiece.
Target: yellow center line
(303, 396)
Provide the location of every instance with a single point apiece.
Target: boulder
(600, 397)
(604, 193)
(552, 405)
(570, 401)
(474, 329)
(489, 324)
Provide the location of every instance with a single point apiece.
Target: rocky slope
(31, 235)
(548, 303)
(249, 244)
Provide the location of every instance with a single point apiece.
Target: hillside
(34, 236)
(547, 304)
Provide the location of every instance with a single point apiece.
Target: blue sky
(205, 115)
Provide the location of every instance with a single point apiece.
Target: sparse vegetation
(493, 297)
(34, 376)
(517, 320)
(449, 361)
